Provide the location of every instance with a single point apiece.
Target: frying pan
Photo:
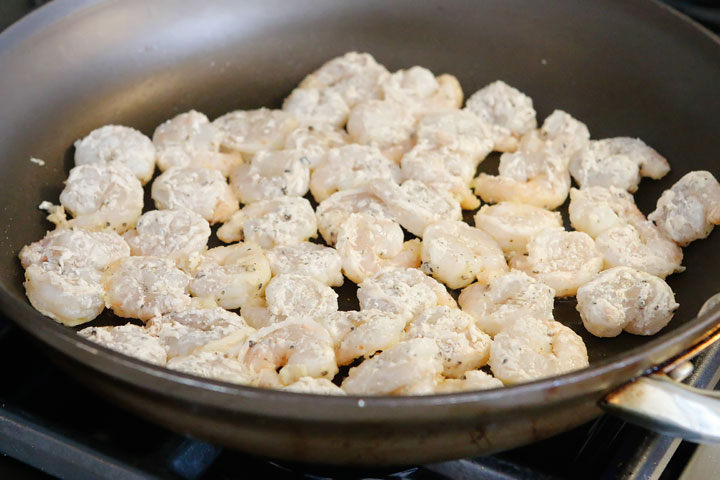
(624, 67)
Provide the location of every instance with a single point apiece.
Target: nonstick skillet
(626, 68)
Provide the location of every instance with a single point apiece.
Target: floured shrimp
(617, 162)
(200, 330)
(560, 135)
(335, 210)
(459, 131)
(402, 291)
(468, 382)
(318, 386)
(623, 298)
(531, 349)
(63, 273)
(131, 340)
(535, 178)
(190, 140)
(415, 205)
(443, 169)
(179, 235)
(562, 260)
(314, 143)
(145, 287)
(384, 124)
(622, 234)
(232, 276)
(421, 92)
(202, 190)
(317, 107)
(362, 334)
(351, 166)
(250, 131)
(215, 366)
(505, 298)
(455, 254)
(462, 344)
(409, 368)
(292, 296)
(512, 224)
(315, 261)
(116, 144)
(355, 76)
(102, 196)
(278, 221)
(368, 244)
(294, 349)
(270, 175)
(690, 209)
(500, 104)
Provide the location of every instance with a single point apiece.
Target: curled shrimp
(270, 175)
(512, 224)
(336, 209)
(250, 131)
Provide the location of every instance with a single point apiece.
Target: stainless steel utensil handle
(666, 406)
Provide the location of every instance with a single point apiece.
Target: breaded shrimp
(314, 143)
(560, 135)
(215, 366)
(315, 261)
(459, 131)
(250, 131)
(335, 210)
(469, 381)
(271, 175)
(500, 104)
(512, 224)
(456, 254)
(384, 124)
(317, 386)
(317, 107)
(421, 92)
(118, 145)
(623, 298)
(129, 339)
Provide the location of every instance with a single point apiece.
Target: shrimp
(367, 244)
(179, 235)
(562, 260)
(355, 76)
(459, 131)
(145, 287)
(561, 135)
(292, 296)
(617, 162)
(294, 349)
(408, 368)
(505, 298)
(215, 366)
(472, 380)
(202, 190)
(500, 104)
(512, 224)
(271, 175)
(63, 273)
(534, 178)
(530, 349)
(384, 124)
(421, 92)
(364, 333)
(415, 205)
(335, 210)
(317, 107)
(442, 169)
(455, 254)
(462, 344)
(594, 210)
(249, 131)
(190, 140)
(118, 145)
(130, 340)
(232, 276)
(690, 209)
(402, 291)
(317, 386)
(623, 298)
(278, 221)
(351, 166)
(101, 196)
(314, 143)
(309, 259)
(200, 330)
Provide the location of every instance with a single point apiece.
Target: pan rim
(141, 374)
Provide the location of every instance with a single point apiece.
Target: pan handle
(664, 405)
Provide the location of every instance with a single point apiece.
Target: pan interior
(624, 70)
